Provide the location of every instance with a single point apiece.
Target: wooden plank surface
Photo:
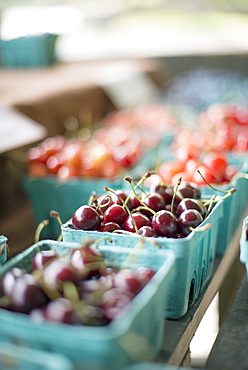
(230, 350)
(179, 333)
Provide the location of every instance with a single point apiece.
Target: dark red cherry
(145, 274)
(136, 200)
(9, 280)
(165, 224)
(86, 218)
(27, 294)
(87, 261)
(105, 201)
(154, 201)
(60, 310)
(114, 301)
(189, 203)
(162, 189)
(120, 197)
(42, 258)
(147, 231)
(189, 190)
(109, 227)
(189, 219)
(127, 279)
(57, 272)
(137, 219)
(115, 213)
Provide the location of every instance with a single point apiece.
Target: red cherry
(109, 227)
(86, 218)
(115, 213)
(127, 280)
(165, 224)
(137, 219)
(42, 258)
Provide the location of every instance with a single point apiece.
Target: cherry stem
(174, 193)
(70, 291)
(96, 242)
(144, 205)
(201, 228)
(211, 186)
(38, 230)
(134, 254)
(140, 182)
(56, 215)
(101, 204)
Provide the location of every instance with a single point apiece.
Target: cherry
(27, 294)
(93, 289)
(144, 274)
(127, 280)
(109, 227)
(188, 219)
(120, 196)
(154, 201)
(114, 301)
(57, 272)
(147, 231)
(189, 203)
(217, 162)
(9, 279)
(165, 224)
(135, 200)
(137, 219)
(105, 201)
(87, 261)
(42, 258)
(189, 190)
(60, 310)
(86, 218)
(162, 189)
(115, 213)
(207, 174)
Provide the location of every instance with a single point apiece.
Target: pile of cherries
(80, 290)
(164, 210)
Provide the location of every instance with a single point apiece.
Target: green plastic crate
(194, 257)
(14, 357)
(135, 337)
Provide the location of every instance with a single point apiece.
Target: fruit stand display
(145, 202)
(190, 230)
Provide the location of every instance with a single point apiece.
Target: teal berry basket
(15, 357)
(244, 244)
(49, 194)
(194, 257)
(134, 337)
(3, 249)
(233, 209)
(28, 51)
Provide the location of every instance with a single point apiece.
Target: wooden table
(179, 333)
(230, 350)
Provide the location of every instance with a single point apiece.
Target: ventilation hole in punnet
(202, 277)
(192, 292)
